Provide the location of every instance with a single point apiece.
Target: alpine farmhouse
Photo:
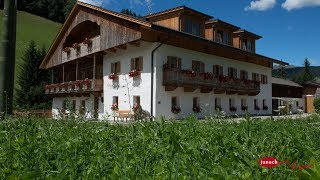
(171, 63)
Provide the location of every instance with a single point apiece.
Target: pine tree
(282, 72)
(307, 75)
(30, 94)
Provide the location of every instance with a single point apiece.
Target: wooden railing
(80, 86)
(183, 78)
(83, 49)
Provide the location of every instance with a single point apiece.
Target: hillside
(294, 71)
(31, 27)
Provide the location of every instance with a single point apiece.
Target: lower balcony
(207, 82)
(79, 87)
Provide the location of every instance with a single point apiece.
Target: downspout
(152, 76)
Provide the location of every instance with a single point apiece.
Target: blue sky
(289, 27)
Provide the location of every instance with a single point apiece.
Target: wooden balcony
(79, 87)
(206, 82)
(82, 50)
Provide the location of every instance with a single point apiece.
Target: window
(264, 79)
(217, 103)
(264, 104)
(174, 102)
(198, 66)
(64, 104)
(244, 44)
(174, 62)
(219, 36)
(137, 63)
(243, 75)
(297, 104)
(249, 45)
(226, 37)
(244, 105)
(136, 100)
(232, 72)
(232, 106)
(115, 67)
(74, 105)
(82, 107)
(256, 107)
(192, 27)
(115, 100)
(217, 70)
(195, 102)
(255, 77)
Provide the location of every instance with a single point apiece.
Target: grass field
(31, 27)
(190, 149)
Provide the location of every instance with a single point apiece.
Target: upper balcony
(191, 80)
(78, 50)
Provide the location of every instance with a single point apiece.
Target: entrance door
(96, 107)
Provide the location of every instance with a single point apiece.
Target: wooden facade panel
(172, 23)
(209, 34)
(113, 32)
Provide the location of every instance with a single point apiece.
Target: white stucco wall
(125, 87)
(292, 101)
(57, 104)
(163, 98)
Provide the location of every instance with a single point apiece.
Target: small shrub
(317, 105)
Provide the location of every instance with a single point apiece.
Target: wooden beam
(123, 47)
(170, 88)
(135, 43)
(189, 89)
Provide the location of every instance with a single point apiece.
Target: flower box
(134, 73)
(136, 107)
(189, 73)
(75, 46)
(87, 41)
(218, 108)
(114, 107)
(223, 78)
(208, 76)
(62, 87)
(257, 108)
(67, 49)
(85, 84)
(113, 76)
(233, 109)
(70, 86)
(244, 108)
(77, 85)
(197, 109)
(176, 110)
(265, 108)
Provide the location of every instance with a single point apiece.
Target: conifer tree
(307, 75)
(31, 81)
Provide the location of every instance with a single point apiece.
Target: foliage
(31, 27)
(32, 80)
(130, 13)
(307, 75)
(189, 149)
(317, 105)
(281, 73)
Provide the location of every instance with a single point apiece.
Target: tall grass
(33, 148)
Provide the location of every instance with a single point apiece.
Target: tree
(282, 72)
(130, 13)
(32, 80)
(307, 75)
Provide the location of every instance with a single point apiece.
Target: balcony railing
(191, 79)
(79, 86)
(82, 49)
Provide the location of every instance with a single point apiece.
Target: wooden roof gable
(115, 29)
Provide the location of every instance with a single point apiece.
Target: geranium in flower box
(197, 109)
(247, 81)
(222, 79)
(244, 108)
(233, 109)
(85, 84)
(77, 85)
(113, 76)
(70, 86)
(75, 46)
(67, 49)
(265, 108)
(134, 73)
(114, 107)
(208, 76)
(136, 108)
(47, 88)
(62, 87)
(87, 41)
(175, 109)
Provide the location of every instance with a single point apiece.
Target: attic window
(79, 33)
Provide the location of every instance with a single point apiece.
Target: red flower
(114, 107)
(223, 78)
(87, 41)
(66, 49)
(134, 73)
(176, 109)
(112, 76)
(85, 82)
(197, 109)
(75, 45)
(208, 76)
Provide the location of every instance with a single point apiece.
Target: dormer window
(192, 27)
(222, 37)
(247, 45)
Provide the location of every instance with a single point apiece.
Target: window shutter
(132, 64)
(201, 67)
(118, 70)
(140, 65)
(179, 63)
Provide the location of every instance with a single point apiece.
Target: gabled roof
(72, 15)
(284, 82)
(312, 83)
(219, 22)
(247, 33)
(177, 9)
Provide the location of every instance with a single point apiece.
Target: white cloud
(297, 4)
(261, 5)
